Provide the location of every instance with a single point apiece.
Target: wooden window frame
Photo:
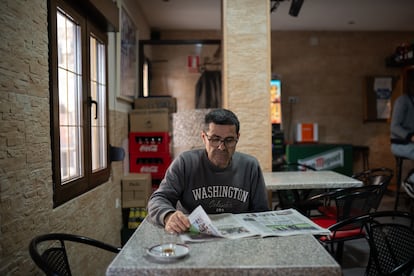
(89, 180)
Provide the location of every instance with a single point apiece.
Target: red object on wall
(193, 62)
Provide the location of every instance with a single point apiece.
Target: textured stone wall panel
(26, 185)
(247, 74)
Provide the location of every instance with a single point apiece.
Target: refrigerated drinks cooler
(278, 147)
(336, 157)
(275, 102)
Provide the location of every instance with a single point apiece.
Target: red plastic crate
(156, 165)
(149, 142)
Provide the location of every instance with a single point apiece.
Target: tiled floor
(356, 252)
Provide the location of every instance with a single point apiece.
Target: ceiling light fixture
(274, 4)
(295, 6)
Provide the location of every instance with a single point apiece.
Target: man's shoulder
(190, 154)
(244, 157)
(403, 97)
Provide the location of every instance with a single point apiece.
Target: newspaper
(262, 224)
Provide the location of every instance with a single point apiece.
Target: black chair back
(350, 202)
(357, 202)
(390, 236)
(391, 241)
(49, 251)
(377, 177)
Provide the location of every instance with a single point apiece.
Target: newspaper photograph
(281, 223)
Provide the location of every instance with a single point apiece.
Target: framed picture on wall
(378, 97)
(127, 55)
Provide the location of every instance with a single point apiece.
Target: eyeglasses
(229, 142)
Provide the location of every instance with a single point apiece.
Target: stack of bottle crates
(150, 126)
(149, 152)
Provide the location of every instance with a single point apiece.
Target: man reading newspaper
(217, 177)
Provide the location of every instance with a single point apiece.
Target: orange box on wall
(307, 133)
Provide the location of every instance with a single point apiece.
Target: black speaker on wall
(155, 35)
(295, 7)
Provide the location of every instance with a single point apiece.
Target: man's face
(220, 142)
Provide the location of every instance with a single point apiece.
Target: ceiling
(315, 15)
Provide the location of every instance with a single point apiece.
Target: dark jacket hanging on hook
(208, 90)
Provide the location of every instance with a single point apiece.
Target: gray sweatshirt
(402, 123)
(192, 180)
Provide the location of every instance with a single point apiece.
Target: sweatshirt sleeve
(165, 198)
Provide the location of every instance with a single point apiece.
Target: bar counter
(293, 255)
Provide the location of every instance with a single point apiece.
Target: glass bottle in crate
(132, 219)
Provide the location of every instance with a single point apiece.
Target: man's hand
(176, 222)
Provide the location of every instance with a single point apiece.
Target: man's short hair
(222, 116)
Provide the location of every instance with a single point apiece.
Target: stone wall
(25, 154)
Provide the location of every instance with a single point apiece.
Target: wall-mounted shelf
(390, 62)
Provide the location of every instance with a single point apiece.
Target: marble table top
(293, 255)
(308, 180)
